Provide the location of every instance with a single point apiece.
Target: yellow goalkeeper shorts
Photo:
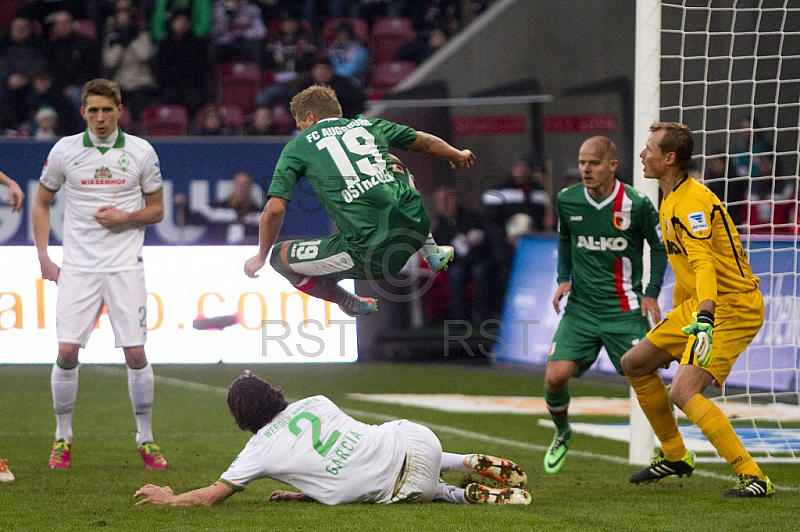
(737, 320)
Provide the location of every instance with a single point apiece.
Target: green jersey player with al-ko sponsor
(603, 225)
(331, 458)
(382, 220)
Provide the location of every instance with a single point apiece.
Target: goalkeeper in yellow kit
(717, 311)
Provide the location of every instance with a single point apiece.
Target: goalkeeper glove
(703, 329)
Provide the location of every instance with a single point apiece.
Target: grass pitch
(199, 439)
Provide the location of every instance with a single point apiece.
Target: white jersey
(118, 172)
(329, 456)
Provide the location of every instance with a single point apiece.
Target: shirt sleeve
(658, 254)
(564, 247)
(151, 178)
(694, 216)
(288, 172)
(245, 468)
(397, 135)
(53, 175)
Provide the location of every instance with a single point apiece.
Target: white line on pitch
(180, 383)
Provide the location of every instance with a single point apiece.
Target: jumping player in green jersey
(382, 221)
(603, 225)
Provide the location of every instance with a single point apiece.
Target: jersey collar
(606, 201)
(91, 140)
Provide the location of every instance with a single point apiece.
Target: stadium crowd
(239, 55)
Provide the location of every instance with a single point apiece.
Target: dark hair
(253, 402)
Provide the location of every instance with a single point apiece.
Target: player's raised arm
(437, 147)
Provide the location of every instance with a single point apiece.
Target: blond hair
(678, 139)
(319, 99)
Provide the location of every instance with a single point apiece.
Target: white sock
(448, 493)
(429, 246)
(64, 384)
(141, 388)
(455, 462)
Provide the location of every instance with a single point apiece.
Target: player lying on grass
(332, 458)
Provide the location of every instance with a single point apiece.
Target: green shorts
(334, 258)
(580, 335)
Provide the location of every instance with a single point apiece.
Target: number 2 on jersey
(351, 140)
(316, 432)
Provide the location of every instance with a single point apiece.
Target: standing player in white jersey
(112, 183)
(334, 459)
(603, 225)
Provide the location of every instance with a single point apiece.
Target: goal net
(730, 70)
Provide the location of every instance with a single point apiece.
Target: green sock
(558, 406)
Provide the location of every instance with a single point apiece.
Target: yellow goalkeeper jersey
(703, 245)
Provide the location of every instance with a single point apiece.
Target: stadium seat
(232, 117)
(283, 119)
(164, 120)
(360, 29)
(126, 120)
(388, 34)
(9, 8)
(387, 74)
(239, 83)
(87, 28)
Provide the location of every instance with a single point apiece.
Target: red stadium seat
(126, 120)
(239, 83)
(388, 34)
(9, 8)
(360, 29)
(232, 117)
(388, 74)
(284, 120)
(164, 120)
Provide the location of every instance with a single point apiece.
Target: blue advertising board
(771, 362)
(201, 168)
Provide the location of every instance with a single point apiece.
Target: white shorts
(81, 296)
(420, 475)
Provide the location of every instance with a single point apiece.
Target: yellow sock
(719, 432)
(654, 400)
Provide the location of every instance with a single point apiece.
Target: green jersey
(346, 162)
(600, 248)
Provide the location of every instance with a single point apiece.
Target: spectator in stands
(287, 55)
(73, 58)
(44, 125)
(262, 122)
(428, 14)
(373, 9)
(180, 66)
(523, 199)
(349, 58)
(234, 220)
(199, 14)
(350, 94)
(425, 45)
(456, 225)
(21, 55)
(721, 178)
(212, 123)
(239, 31)
(127, 53)
(749, 141)
(44, 94)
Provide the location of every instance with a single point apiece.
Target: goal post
(730, 70)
